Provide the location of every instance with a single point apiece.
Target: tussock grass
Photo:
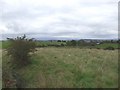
(72, 67)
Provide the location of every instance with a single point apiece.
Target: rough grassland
(0, 68)
(72, 67)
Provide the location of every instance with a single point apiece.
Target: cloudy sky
(59, 19)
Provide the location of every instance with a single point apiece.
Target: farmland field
(62, 67)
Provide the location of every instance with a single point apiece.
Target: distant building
(98, 43)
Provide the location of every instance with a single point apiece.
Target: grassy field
(4, 44)
(70, 67)
(0, 69)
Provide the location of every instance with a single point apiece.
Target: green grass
(4, 44)
(71, 67)
(105, 45)
(48, 43)
(0, 69)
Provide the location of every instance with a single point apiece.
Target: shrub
(20, 49)
(98, 48)
(109, 48)
(62, 44)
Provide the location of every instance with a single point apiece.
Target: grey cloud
(103, 34)
(70, 21)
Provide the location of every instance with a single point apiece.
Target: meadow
(0, 69)
(65, 67)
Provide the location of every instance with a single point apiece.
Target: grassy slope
(72, 67)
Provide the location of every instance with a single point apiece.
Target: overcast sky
(59, 19)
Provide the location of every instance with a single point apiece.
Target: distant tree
(118, 41)
(68, 43)
(63, 41)
(20, 49)
(112, 41)
(73, 43)
(81, 42)
(58, 40)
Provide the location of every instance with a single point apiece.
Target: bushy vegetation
(79, 43)
(50, 43)
(19, 49)
(18, 55)
(109, 48)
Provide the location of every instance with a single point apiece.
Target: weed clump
(20, 49)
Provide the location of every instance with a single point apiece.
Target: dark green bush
(109, 48)
(20, 49)
(98, 48)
